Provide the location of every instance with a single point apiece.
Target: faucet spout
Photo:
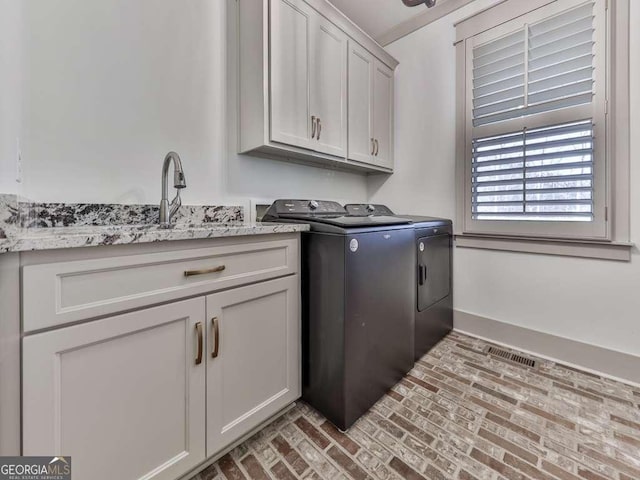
(168, 211)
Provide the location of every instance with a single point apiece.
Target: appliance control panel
(364, 209)
(306, 207)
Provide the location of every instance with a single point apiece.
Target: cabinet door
(329, 87)
(123, 396)
(361, 65)
(256, 371)
(290, 27)
(383, 114)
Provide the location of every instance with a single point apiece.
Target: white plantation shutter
(545, 66)
(535, 163)
(499, 79)
(540, 174)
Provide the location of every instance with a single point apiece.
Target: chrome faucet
(168, 211)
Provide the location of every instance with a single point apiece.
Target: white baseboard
(599, 360)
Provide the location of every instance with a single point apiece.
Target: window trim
(616, 137)
(620, 251)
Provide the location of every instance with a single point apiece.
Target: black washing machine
(357, 296)
(433, 277)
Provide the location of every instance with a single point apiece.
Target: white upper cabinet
(383, 115)
(361, 142)
(308, 79)
(302, 92)
(329, 88)
(370, 109)
(291, 23)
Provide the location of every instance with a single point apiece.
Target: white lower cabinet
(154, 393)
(123, 396)
(255, 370)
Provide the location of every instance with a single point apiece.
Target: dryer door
(434, 269)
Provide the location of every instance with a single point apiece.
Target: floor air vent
(512, 357)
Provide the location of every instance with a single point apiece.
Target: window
(533, 77)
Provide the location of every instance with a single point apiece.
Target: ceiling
(378, 16)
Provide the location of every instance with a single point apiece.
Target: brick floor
(460, 414)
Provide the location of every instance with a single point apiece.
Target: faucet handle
(176, 203)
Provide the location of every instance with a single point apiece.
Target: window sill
(619, 251)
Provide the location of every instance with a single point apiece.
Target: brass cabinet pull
(313, 126)
(191, 273)
(199, 334)
(216, 337)
(319, 128)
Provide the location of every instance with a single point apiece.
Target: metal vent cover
(512, 357)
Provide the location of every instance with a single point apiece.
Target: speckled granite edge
(75, 237)
(28, 226)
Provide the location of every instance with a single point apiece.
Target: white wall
(592, 301)
(10, 88)
(423, 178)
(111, 86)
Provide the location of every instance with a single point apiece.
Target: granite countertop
(27, 226)
(88, 236)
